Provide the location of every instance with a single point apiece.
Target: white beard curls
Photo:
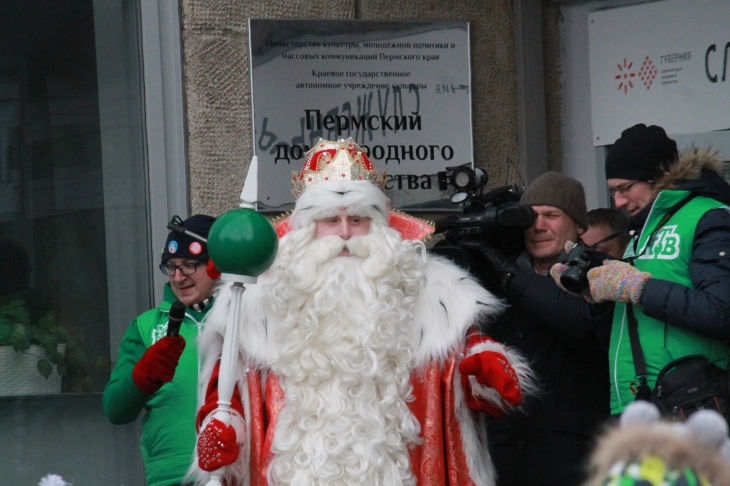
(345, 357)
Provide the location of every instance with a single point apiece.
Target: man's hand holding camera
(613, 280)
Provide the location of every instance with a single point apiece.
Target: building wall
(216, 67)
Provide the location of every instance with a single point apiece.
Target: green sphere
(242, 242)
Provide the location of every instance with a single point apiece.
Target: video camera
(496, 218)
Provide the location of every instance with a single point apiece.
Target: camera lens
(574, 279)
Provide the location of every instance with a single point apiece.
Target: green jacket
(667, 259)
(168, 427)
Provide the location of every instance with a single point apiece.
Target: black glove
(494, 269)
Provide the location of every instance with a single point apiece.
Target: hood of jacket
(698, 170)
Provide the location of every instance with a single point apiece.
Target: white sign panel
(400, 89)
(662, 63)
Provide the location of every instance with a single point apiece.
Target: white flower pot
(19, 373)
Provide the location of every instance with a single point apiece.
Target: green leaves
(17, 330)
(45, 368)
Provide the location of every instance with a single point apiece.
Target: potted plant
(47, 341)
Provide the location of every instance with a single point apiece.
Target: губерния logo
(626, 74)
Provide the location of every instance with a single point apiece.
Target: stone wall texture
(216, 75)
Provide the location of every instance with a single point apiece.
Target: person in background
(675, 282)
(606, 231)
(560, 335)
(159, 373)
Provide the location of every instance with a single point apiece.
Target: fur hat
(338, 175)
(560, 191)
(642, 153)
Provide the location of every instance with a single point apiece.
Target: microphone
(177, 314)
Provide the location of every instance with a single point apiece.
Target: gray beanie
(560, 191)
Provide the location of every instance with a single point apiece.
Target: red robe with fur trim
(454, 450)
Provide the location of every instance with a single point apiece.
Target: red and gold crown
(335, 161)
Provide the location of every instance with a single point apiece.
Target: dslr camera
(495, 219)
(580, 259)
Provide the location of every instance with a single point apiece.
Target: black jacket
(549, 442)
(705, 309)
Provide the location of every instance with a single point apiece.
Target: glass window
(73, 238)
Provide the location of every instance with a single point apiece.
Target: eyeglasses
(185, 268)
(621, 189)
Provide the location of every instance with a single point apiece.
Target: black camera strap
(637, 353)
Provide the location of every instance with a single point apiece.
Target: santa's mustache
(332, 246)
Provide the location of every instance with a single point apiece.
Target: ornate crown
(335, 161)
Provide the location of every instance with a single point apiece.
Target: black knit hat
(560, 191)
(180, 245)
(642, 153)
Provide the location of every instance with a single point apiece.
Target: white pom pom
(639, 412)
(708, 427)
(53, 480)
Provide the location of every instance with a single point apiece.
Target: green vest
(168, 431)
(666, 259)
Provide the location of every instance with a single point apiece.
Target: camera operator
(550, 443)
(677, 279)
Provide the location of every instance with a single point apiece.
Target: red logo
(196, 248)
(624, 76)
(647, 72)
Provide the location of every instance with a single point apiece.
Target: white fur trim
(210, 346)
(360, 197)
(473, 438)
(527, 380)
(451, 302)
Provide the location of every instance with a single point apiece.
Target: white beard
(345, 356)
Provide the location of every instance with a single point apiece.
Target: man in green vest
(675, 276)
(159, 373)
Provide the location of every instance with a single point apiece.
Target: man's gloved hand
(617, 281)
(217, 446)
(557, 270)
(157, 365)
(492, 370)
(497, 270)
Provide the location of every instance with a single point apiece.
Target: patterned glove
(617, 281)
(556, 271)
(492, 370)
(217, 446)
(157, 365)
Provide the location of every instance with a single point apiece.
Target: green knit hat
(560, 191)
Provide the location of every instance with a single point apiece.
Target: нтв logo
(172, 247)
(624, 76)
(665, 245)
(648, 71)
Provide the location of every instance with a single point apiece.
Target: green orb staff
(242, 244)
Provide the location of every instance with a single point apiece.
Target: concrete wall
(215, 51)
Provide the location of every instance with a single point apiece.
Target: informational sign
(660, 63)
(402, 90)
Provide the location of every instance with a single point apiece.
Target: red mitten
(213, 272)
(490, 369)
(217, 446)
(157, 365)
